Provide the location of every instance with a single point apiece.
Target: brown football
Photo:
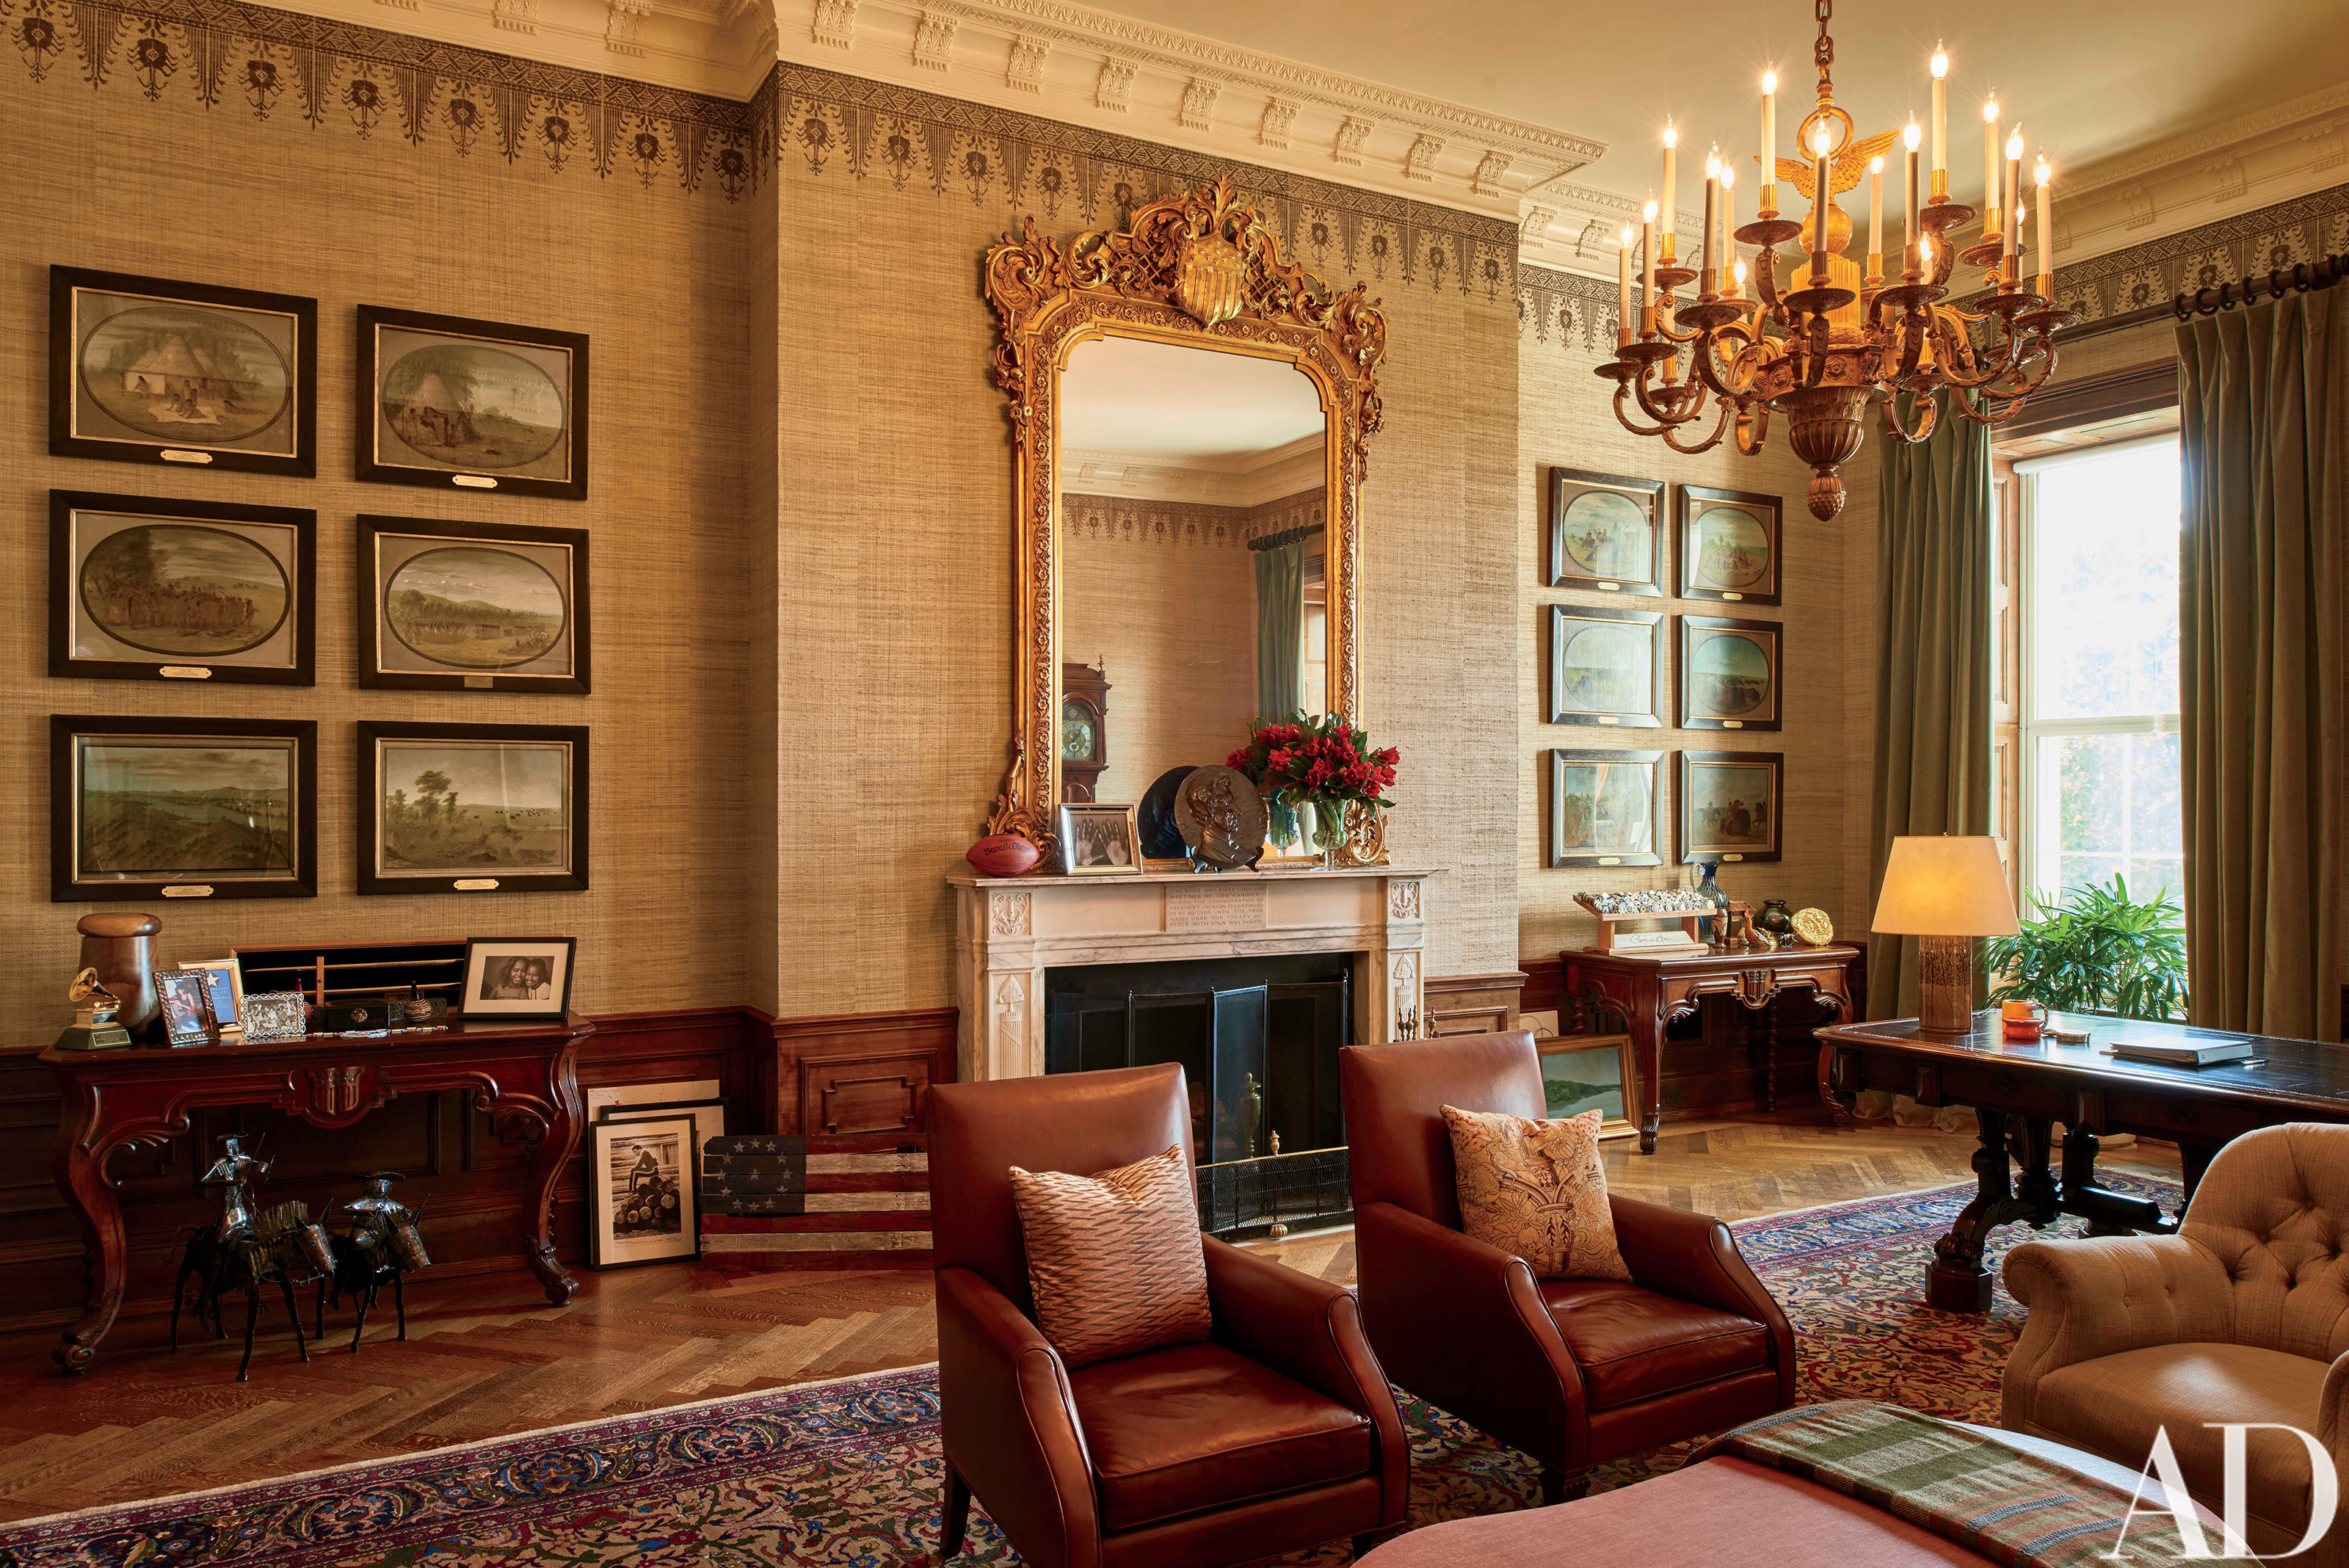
(1003, 854)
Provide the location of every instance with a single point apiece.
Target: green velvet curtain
(1933, 651)
(2264, 396)
(1280, 630)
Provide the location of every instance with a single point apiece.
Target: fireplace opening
(1257, 1040)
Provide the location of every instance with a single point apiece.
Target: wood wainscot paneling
(1726, 1058)
(466, 1173)
(1472, 1003)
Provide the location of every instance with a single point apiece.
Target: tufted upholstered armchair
(2243, 1315)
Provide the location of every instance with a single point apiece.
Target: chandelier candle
(1712, 208)
(1769, 144)
(2012, 208)
(1623, 290)
(1990, 167)
(1672, 188)
(1647, 260)
(1908, 199)
(1940, 125)
(1875, 221)
(1728, 212)
(1819, 207)
(2046, 176)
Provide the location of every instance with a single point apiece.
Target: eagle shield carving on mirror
(1212, 284)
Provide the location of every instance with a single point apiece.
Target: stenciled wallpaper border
(823, 124)
(299, 70)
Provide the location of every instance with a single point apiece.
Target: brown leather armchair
(1573, 1372)
(1278, 1432)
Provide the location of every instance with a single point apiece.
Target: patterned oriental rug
(847, 1473)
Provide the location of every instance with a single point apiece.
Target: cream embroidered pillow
(1537, 1189)
(1114, 1259)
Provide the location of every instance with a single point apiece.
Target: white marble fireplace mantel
(1009, 930)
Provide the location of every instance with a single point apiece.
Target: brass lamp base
(1945, 984)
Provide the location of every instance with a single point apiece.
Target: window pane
(2109, 805)
(2104, 586)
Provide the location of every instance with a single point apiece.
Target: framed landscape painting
(1603, 808)
(472, 808)
(1729, 673)
(472, 606)
(1606, 532)
(1582, 1073)
(181, 808)
(1606, 666)
(1730, 806)
(445, 401)
(152, 589)
(1729, 546)
(144, 370)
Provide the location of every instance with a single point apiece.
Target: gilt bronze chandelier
(1817, 347)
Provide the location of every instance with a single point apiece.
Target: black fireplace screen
(1258, 1040)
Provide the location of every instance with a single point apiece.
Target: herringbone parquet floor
(482, 1361)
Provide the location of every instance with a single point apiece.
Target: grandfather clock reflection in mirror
(1084, 729)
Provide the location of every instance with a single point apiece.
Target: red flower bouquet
(1325, 762)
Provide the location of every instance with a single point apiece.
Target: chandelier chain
(1825, 53)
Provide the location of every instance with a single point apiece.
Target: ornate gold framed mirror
(1191, 415)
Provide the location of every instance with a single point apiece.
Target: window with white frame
(2100, 688)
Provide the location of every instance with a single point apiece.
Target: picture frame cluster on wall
(219, 591)
(1606, 667)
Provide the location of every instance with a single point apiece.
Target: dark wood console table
(116, 1098)
(1648, 990)
(2018, 1091)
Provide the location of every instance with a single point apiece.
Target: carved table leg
(1956, 1281)
(2108, 1213)
(81, 1176)
(554, 1148)
(1829, 1054)
(2037, 1187)
(1645, 1025)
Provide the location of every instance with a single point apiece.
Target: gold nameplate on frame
(474, 481)
(474, 884)
(177, 454)
(185, 672)
(189, 890)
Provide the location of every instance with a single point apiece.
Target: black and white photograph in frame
(1098, 840)
(449, 402)
(152, 588)
(146, 370)
(472, 606)
(1729, 673)
(1606, 532)
(517, 977)
(708, 1121)
(1606, 666)
(641, 1192)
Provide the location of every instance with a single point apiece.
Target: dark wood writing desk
(115, 1098)
(2017, 1091)
(1648, 990)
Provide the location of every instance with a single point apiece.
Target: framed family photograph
(1729, 673)
(186, 1014)
(472, 808)
(1590, 1072)
(1603, 808)
(144, 370)
(1729, 805)
(1098, 840)
(143, 589)
(642, 1193)
(472, 606)
(1729, 546)
(478, 405)
(1606, 532)
(1606, 666)
(517, 977)
(181, 808)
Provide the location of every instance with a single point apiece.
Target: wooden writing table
(116, 1098)
(1648, 991)
(2017, 1091)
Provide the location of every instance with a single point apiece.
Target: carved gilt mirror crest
(1191, 414)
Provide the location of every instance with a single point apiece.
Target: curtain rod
(2300, 279)
(1285, 536)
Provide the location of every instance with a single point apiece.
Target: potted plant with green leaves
(2096, 949)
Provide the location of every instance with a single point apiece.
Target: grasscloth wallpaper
(156, 183)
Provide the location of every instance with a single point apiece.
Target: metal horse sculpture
(245, 1249)
(383, 1247)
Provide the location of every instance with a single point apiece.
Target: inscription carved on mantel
(1216, 907)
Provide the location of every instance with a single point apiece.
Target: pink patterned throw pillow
(1538, 1190)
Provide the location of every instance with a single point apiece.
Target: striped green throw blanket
(2011, 1506)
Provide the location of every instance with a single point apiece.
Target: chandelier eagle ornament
(1821, 345)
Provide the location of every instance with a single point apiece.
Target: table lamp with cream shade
(1946, 892)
